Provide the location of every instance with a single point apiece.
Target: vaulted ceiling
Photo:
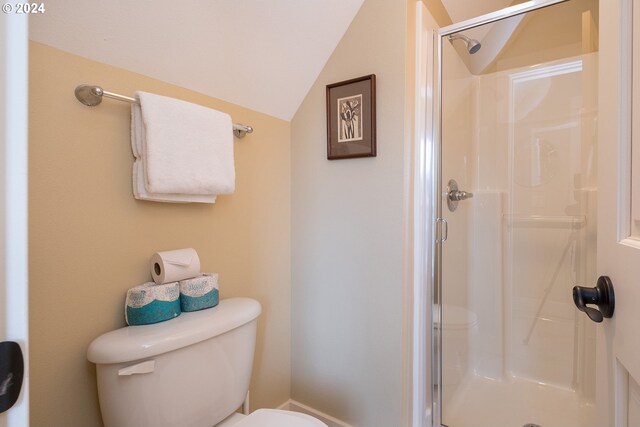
(261, 54)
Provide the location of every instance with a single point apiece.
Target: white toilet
(191, 371)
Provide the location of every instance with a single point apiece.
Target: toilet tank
(191, 371)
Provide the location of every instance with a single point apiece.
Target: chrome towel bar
(91, 95)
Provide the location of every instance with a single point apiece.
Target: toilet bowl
(191, 371)
(458, 326)
(275, 418)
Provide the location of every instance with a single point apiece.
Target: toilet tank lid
(138, 342)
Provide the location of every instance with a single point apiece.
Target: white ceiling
(261, 54)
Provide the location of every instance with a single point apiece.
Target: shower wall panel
(458, 126)
(486, 283)
(535, 145)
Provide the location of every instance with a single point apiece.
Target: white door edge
(618, 253)
(14, 265)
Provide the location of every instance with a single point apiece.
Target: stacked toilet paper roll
(178, 285)
(199, 292)
(176, 265)
(151, 303)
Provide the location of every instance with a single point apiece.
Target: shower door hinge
(442, 230)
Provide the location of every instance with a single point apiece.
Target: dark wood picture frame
(351, 118)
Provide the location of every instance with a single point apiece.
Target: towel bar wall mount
(91, 95)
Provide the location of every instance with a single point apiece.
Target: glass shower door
(518, 171)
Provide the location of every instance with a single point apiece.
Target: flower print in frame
(351, 118)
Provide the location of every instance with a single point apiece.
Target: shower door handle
(602, 296)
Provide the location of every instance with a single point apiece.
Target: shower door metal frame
(435, 181)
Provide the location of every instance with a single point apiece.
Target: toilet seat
(279, 418)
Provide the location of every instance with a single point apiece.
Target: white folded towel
(183, 151)
(141, 193)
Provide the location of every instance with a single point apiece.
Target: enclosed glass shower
(518, 130)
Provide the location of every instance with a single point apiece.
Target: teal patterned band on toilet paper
(199, 293)
(150, 303)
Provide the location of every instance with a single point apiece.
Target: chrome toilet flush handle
(454, 195)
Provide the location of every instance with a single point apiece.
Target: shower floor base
(481, 402)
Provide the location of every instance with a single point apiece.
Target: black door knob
(11, 374)
(601, 296)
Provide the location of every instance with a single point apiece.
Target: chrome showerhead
(473, 45)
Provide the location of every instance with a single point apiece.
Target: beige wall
(90, 240)
(347, 236)
(438, 12)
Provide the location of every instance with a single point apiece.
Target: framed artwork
(351, 118)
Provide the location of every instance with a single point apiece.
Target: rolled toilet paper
(199, 292)
(150, 303)
(173, 266)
